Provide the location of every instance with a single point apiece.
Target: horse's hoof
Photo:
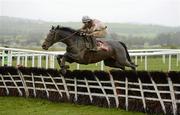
(133, 68)
(66, 66)
(134, 64)
(122, 68)
(63, 71)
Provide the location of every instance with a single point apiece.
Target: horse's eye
(51, 33)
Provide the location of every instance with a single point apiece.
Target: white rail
(23, 55)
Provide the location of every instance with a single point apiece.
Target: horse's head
(50, 38)
(58, 34)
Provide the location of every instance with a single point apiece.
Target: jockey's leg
(88, 42)
(93, 44)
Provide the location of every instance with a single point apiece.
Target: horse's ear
(57, 27)
(52, 28)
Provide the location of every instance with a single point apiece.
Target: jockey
(93, 29)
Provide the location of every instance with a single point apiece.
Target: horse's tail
(127, 53)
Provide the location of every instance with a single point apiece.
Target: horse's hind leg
(128, 64)
(127, 54)
(113, 63)
(122, 60)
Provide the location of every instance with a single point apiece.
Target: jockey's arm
(83, 29)
(98, 34)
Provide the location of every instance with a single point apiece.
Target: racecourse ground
(29, 106)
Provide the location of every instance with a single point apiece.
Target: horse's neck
(73, 41)
(69, 41)
(76, 43)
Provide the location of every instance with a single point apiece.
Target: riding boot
(93, 44)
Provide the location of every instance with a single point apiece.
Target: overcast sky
(161, 12)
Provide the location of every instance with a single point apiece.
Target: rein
(77, 32)
(69, 36)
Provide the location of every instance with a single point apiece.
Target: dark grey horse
(78, 50)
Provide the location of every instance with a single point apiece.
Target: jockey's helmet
(86, 19)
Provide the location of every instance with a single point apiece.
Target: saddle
(93, 43)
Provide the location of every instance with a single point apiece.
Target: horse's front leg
(59, 57)
(63, 66)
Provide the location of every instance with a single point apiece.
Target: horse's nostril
(43, 45)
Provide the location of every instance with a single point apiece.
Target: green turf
(29, 106)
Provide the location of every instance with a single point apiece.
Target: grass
(29, 106)
(156, 64)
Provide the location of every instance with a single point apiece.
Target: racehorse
(77, 49)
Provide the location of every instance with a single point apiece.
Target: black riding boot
(93, 44)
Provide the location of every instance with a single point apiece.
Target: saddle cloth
(102, 45)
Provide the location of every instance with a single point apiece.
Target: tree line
(24, 32)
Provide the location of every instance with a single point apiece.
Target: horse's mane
(67, 29)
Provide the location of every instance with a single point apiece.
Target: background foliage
(31, 33)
